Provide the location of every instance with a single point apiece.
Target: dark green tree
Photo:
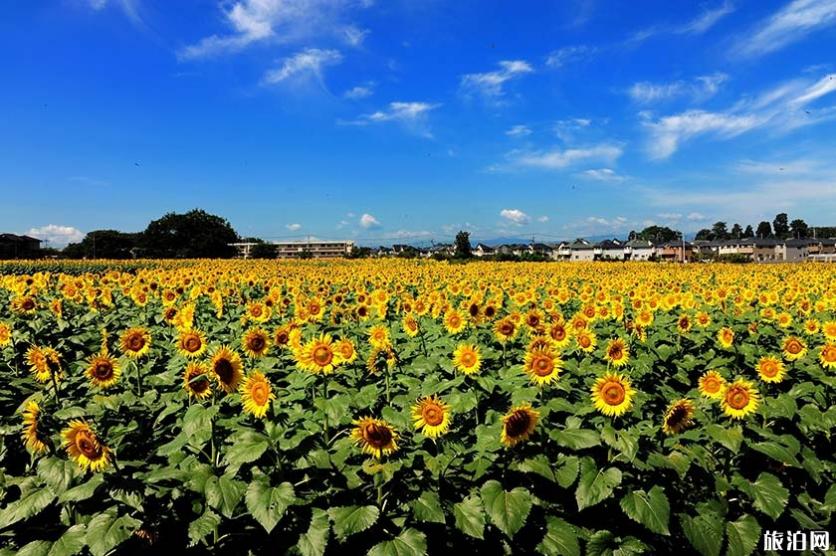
(749, 232)
(658, 234)
(704, 234)
(780, 226)
(195, 234)
(719, 230)
(799, 228)
(736, 231)
(104, 244)
(764, 230)
(263, 250)
(463, 249)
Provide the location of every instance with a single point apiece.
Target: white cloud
(515, 216)
(490, 84)
(706, 20)
(282, 21)
(302, 65)
(557, 159)
(789, 24)
(669, 215)
(360, 91)
(294, 227)
(778, 109)
(701, 88)
(57, 235)
(543, 219)
(568, 130)
(97, 4)
(603, 174)
(568, 54)
(368, 221)
(696, 217)
(518, 131)
(411, 115)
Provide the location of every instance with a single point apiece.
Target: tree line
(780, 228)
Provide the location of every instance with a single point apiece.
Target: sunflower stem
(325, 412)
(387, 385)
(138, 380)
(55, 387)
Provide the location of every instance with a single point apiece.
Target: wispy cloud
(307, 64)
(293, 227)
(570, 54)
(128, 7)
(701, 88)
(559, 159)
(360, 91)
(515, 217)
(781, 109)
(367, 221)
(707, 19)
(57, 235)
(518, 131)
(411, 115)
(603, 174)
(790, 24)
(490, 85)
(282, 21)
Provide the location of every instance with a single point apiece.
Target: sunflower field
(406, 408)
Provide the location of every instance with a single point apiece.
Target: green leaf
(82, 491)
(106, 531)
(470, 519)
(560, 540)
(604, 543)
(576, 439)
(197, 425)
(27, 506)
(704, 532)
(71, 542)
(229, 494)
(57, 473)
(35, 548)
(245, 448)
(202, 526)
(410, 542)
(568, 470)
(730, 438)
(776, 452)
(744, 536)
(428, 508)
(507, 510)
(268, 504)
(770, 495)
(651, 509)
(595, 485)
(314, 542)
(349, 520)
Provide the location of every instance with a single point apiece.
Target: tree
(195, 234)
(463, 250)
(658, 234)
(748, 232)
(780, 225)
(704, 234)
(632, 235)
(764, 230)
(104, 244)
(736, 231)
(719, 230)
(358, 252)
(799, 228)
(263, 250)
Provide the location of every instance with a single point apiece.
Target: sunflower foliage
(409, 408)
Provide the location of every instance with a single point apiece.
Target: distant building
(19, 247)
(639, 250)
(582, 250)
(317, 249)
(611, 250)
(482, 250)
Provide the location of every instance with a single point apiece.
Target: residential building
(611, 250)
(19, 247)
(482, 250)
(638, 250)
(581, 250)
(317, 249)
(675, 251)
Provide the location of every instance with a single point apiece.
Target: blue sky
(408, 120)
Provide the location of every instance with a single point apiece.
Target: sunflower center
(558, 333)
(322, 356)
(28, 305)
(282, 338)
(136, 342)
(377, 436)
(260, 393)
(584, 341)
(256, 343)
(454, 322)
(543, 366)
(533, 320)
(468, 359)
(613, 393)
(677, 416)
(829, 354)
(432, 415)
(711, 385)
(737, 397)
(256, 311)
(224, 370)
(794, 347)
(517, 424)
(199, 385)
(616, 352)
(769, 369)
(506, 328)
(192, 343)
(88, 445)
(103, 370)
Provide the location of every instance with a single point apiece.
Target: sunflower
(32, 438)
(281, 336)
(811, 327)
(725, 336)
(683, 324)
(345, 348)
(381, 359)
(504, 330)
(410, 325)
(84, 447)
(256, 342)
(256, 393)
(827, 355)
(226, 365)
(258, 312)
(375, 436)
(432, 416)
(44, 362)
(559, 335)
(617, 354)
(711, 385)
(319, 355)
(196, 382)
(454, 322)
(586, 340)
(678, 417)
(612, 394)
(135, 342)
(739, 399)
(5, 334)
(793, 348)
(379, 336)
(518, 424)
(542, 366)
(103, 370)
(191, 343)
(466, 359)
(771, 369)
